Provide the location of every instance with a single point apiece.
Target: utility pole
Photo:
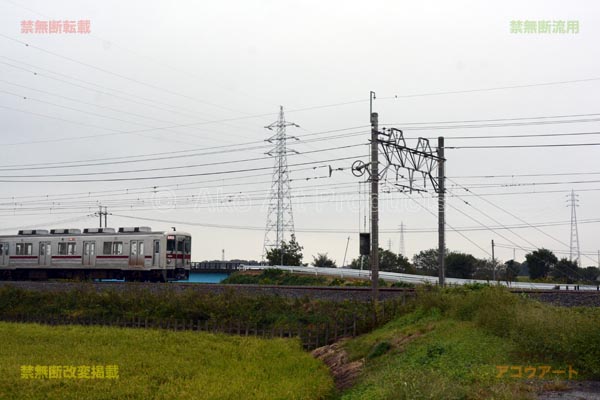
(401, 249)
(223, 255)
(441, 214)
(374, 205)
(493, 261)
(346, 252)
(573, 202)
(101, 214)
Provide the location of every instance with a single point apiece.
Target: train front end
(179, 254)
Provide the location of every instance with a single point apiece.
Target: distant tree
(292, 253)
(388, 261)
(540, 262)
(322, 261)
(565, 270)
(484, 269)
(511, 270)
(460, 265)
(590, 273)
(426, 262)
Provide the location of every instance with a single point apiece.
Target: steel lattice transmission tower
(573, 202)
(280, 219)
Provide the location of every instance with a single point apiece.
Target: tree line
(541, 264)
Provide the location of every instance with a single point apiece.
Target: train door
(45, 256)
(136, 253)
(4, 254)
(180, 257)
(89, 254)
(156, 253)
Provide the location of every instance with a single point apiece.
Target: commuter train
(131, 254)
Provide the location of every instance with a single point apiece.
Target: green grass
(156, 364)
(448, 347)
(140, 301)
(276, 276)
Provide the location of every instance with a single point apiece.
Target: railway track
(336, 293)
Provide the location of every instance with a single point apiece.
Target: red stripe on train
(67, 257)
(118, 257)
(180, 256)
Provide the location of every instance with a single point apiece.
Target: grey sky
(206, 61)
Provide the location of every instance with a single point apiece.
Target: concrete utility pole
(493, 261)
(441, 214)
(346, 252)
(574, 251)
(374, 206)
(401, 248)
(103, 213)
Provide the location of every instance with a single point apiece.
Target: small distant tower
(402, 250)
(573, 202)
(280, 220)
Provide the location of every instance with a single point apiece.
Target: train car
(129, 253)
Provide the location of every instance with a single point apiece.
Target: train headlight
(169, 261)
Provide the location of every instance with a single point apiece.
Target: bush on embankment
(266, 311)
(540, 331)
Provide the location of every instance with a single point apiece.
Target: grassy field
(157, 364)
(449, 346)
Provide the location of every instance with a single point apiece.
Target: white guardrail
(408, 278)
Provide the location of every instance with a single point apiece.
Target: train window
(188, 246)
(141, 252)
(62, 249)
(117, 248)
(180, 246)
(157, 246)
(107, 248)
(67, 249)
(170, 244)
(24, 249)
(1, 249)
(133, 249)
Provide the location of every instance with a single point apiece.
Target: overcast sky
(171, 81)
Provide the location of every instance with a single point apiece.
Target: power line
(167, 176)
(518, 218)
(522, 146)
(118, 75)
(494, 125)
(489, 89)
(164, 168)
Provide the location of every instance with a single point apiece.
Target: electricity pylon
(280, 219)
(573, 202)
